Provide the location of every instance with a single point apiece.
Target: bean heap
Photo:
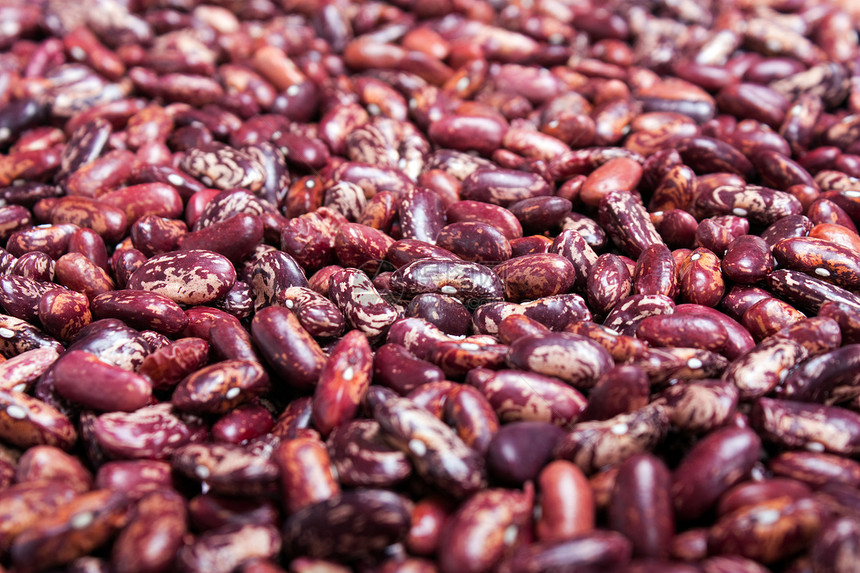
(452, 286)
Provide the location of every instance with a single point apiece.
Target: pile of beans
(452, 286)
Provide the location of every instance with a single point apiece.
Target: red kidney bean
(598, 444)
(387, 521)
(616, 174)
(518, 396)
(141, 309)
(701, 406)
(218, 388)
(186, 277)
(641, 505)
(287, 347)
(64, 313)
(807, 292)
(754, 492)
(305, 474)
(21, 372)
(597, 550)
(153, 534)
(445, 312)
(362, 306)
(767, 316)
(518, 450)
(818, 334)
(835, 546)
(608, 283)
(227, 468)
(747, 260)
(223, 549)
(620, 390)
(48, 463)
(475, 211)
(573, 358)
(683, 330)
(815, 468)
(436, 451)
(363, 458)
(627, 223)
(242, 424)
(655, 272)
(130, 436)
(24, 504)
(79, 527)
(629, 312)
(796, 424)
(748, 531)
(428, 516)
(716, 233)
(822, 258)
(700, 278)
(342, 382)
(713, 465)
(786, 227)
(475, 241)
(396, 368)
(107, 387)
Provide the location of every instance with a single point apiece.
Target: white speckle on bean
(202, 472)
(822, 272)
(232, 393)
(739, 211)
(82, 520)
(619, 429)
(694, 363)
(768, 516)
(417, 447)
(448, 289)
(16, 412)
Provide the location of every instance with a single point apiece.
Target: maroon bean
(474, 536)
(700, 278)
(597, 550)
(627, 223)
(641, 505)
(59, 538)
(518, 450)
(186, 277)
(598, 444)
(573, 358)
(807, 292)
(503, 187)
(130, 436)
(386, 521)
(464, 132)
(298, 459)
(475, 241)
(153, 535)
(713, 465)
(742, 531)
(655, 272)
(363, 458)
(608, 283)
(287, 347)
(629, 312)
(437, 453)
(86, 380)
(796, 424)
(242, 424)
(620, 390)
